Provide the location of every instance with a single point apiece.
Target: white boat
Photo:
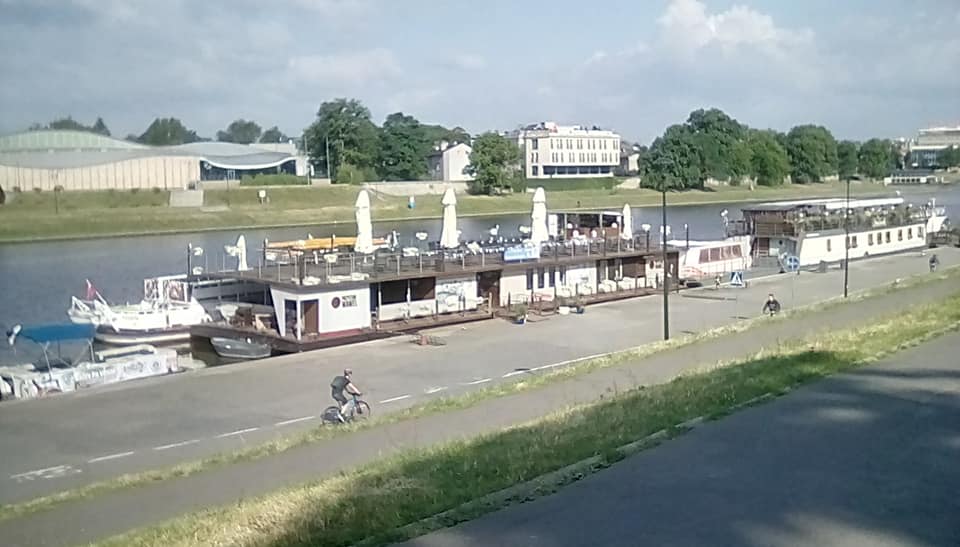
(58, 375)
(165, 315)
(706, 259)
(814, 230)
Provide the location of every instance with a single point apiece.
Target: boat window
(552, 278)
(870, 239)
(909, 233)
(530, 279)
(919, 231)
(704, 256)
(829, 246)
(714, 254)
(888, 237)
(899, 235)
(737, 252)
(854, 240)
(541, 275)
(563, 274)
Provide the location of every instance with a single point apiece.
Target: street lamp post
(686, 230)
(846, 243)
(663, 245)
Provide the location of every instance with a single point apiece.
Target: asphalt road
(74, 439)
(869, 458)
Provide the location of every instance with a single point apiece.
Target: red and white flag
(91, 291)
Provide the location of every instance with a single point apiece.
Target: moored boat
(239, 348)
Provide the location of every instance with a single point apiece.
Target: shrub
(280, 179)
(17, 189)
(37, 189)
(349, 174)
(58, 188)
(134, 190)
(157, 190)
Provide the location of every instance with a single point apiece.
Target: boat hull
(107, 335)
(232, 348)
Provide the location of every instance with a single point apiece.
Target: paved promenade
(115, 512)
(74, 439)
(870, 458)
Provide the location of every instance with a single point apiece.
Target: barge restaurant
(322, 300)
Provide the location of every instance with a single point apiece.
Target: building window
(569, 144)
(530, 279)
(570, 157)
(888, 237)
(536, 144)
(552, 279)
(829, 246)
(900, 235)
(536, 171)
(579, 144)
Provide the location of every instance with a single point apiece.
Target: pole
(846, 243)
(686, 229)
(666, 284)
(326, 148)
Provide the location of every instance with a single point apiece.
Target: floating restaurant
(324, 295)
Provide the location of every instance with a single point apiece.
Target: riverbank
(414, 492)
(32, 217)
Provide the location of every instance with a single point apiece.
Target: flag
(91, 291)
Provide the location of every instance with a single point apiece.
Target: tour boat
(826, 230)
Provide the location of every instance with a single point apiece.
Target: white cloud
(351, 68)
(469, 61)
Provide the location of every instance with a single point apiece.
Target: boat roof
(826, 203)
(57, 332)
(589, 212)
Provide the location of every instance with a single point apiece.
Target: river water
(38, 279)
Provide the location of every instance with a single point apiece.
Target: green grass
(274, 180)
(32, 216)
(442, 404)
(394, 499)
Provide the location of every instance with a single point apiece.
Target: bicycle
(357, 409)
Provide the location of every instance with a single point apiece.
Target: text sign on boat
(513, 254)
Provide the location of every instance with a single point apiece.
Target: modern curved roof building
(76, 160)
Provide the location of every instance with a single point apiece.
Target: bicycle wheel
(361, 411)
(329, 415)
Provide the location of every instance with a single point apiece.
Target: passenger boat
(814, 230)
(285, 252)
(704, 259)
(55, 374)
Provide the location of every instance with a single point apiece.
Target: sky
(863, 68)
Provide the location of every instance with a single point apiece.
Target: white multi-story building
(556, 151)
(925, 149)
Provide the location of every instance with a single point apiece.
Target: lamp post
(646, 230)
(846, 243)
(663, 245)
(686, 230)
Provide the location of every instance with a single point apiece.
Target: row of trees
(712, 145)
(171, 131)
(352, 148)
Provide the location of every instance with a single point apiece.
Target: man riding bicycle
(341, 384)
(934, 262)
(771, 306)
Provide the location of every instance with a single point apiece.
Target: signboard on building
(521, 252)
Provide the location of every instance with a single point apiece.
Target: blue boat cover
(58, 332)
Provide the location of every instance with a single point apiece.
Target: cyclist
(338, 386)
(934, 262)
(771, 306)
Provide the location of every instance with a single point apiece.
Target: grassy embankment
(401, 496)
(443, 404)
(34, 216)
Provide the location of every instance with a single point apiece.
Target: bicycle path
(70, 440)
(112, 513)
(868, 457)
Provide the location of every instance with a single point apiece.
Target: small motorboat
(239, 348)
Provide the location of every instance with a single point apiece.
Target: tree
(403, 148)
(949, 157)
(813, 153)
(437, 133)
(718, 137)
(673, 162)
(877, 158)
(241, 132)
(847, 162)
(494, 164)
(68, 124)
(100, 127)
(344, 128)
(273, 135)
(167, 132)
(769, 164)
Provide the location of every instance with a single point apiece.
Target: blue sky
(863, 68)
